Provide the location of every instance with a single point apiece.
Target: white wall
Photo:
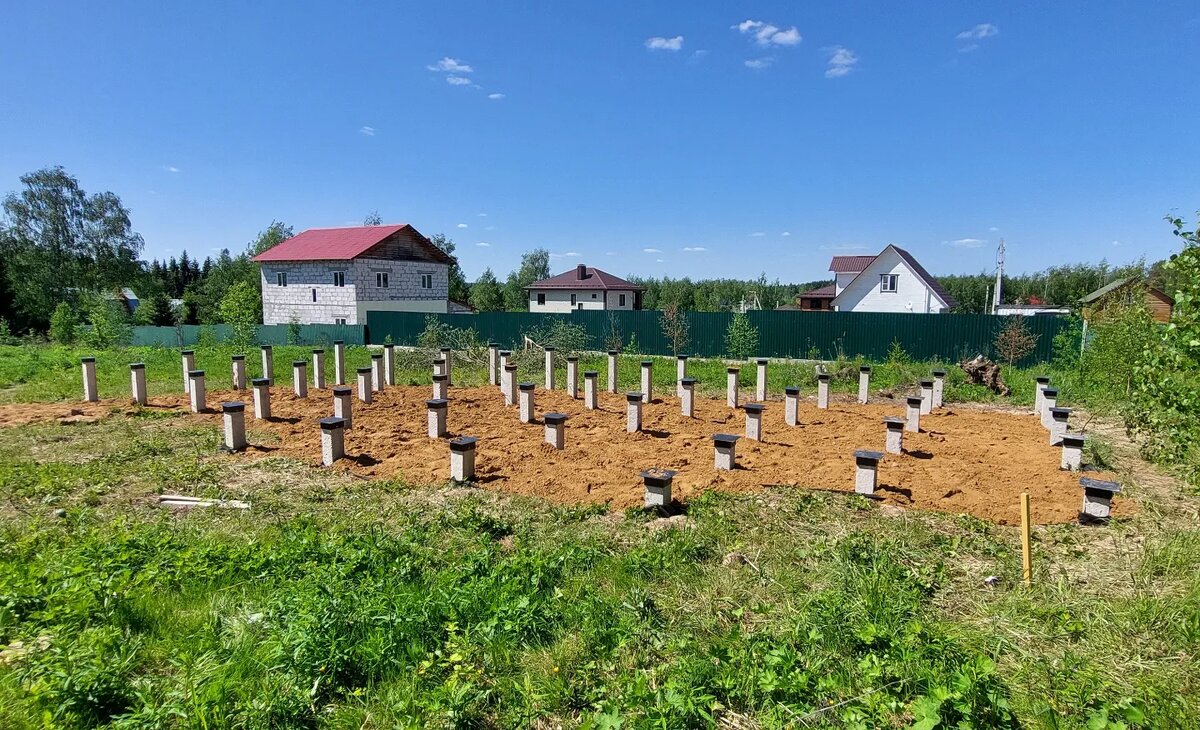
(841, 281)
(912, 295)
(404, 293)
(559, 300)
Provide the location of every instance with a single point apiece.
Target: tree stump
(982, 371)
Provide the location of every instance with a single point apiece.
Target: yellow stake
(1026, 555)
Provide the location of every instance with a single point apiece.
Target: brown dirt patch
(965, 461)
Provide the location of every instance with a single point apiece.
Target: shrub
(741, 339)
(675, 327)
(64, 325)
(110, 325)
(1014, 341)
(239, 309)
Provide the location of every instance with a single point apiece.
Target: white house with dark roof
(892, 281)
(584, 287)
(337, 275)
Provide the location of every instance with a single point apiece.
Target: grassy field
(337, 602)
(51, 373)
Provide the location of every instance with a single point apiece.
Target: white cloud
(451, 65)
(658, 43)
(785, 234)
(458, 80)
(489, 228)
(483, 244)
(170, 168)
(610, 253)
(651, 250)
(993, 229)
(983, 30)
(757, 234)
(1116, 243)
(481, 215)
(968, 48)
(758, 62)
(694, 248)
(967, 242)
(567, 255)
(842, 247)
(495, 97)
(766, 34)
(368, 131)
(658, 260)
(697, 55)
(461, 225)
(841, 62)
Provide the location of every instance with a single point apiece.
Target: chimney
(581, 272)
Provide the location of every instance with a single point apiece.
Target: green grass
(342, 603)
(52, 373)
(349, 604)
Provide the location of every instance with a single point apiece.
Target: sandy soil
(965, 460)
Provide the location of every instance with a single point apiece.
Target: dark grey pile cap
(331, 423)
(1099, 485)
(657, 478)
(554, 419)
(864, 455)
(633, 397)
(435, 403)
(754, 407)
(791, 390)
(463, 443)
(233, 406)
(525, 386)
(725, 439)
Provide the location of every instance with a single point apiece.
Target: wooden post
(1026, 556)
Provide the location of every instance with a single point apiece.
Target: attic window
(426, 281)
(281, 278)
(541, 298)
(888, 282)
(339, 278)
(381, 279)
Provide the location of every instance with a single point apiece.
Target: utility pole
(999, 276)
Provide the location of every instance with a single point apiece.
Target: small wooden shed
(1121, 290)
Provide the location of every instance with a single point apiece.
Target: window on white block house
(541, 298)
(281, 278)
(426, 281)
(888, 282)
(339, 278)
(339, 320)
(593, 296)
(381, 279)
(572, 300)
(314, 295)
(622, 301)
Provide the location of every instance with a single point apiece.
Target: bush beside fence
(780, 334)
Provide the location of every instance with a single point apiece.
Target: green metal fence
(780, 334)
(271, 334)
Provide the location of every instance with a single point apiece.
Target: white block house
(337, 275)
(893, 281)
(583, 287)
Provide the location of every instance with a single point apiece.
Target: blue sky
(692, 138)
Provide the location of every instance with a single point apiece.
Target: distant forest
(60, 245)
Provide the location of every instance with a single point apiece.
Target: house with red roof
(584, 287)
(337, 275)
(891, 281)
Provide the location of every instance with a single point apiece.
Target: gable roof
(592, 278)
(822, 292)
(1116, 284)
(850, 264)
(343, 244)
(917, 268)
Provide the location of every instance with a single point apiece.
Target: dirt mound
(965, 460)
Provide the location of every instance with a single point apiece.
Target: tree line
(61, 245)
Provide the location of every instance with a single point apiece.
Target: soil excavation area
(966, 460)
